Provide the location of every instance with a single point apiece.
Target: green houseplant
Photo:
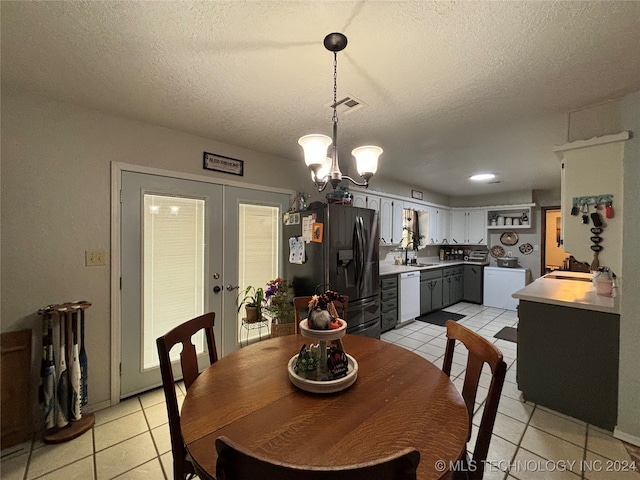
(280, 307)
(252, 300)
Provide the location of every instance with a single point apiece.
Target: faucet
(406, 252)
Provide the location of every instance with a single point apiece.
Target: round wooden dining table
(399, 400)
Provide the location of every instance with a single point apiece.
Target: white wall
(526, 235)
(594, 170)
(629, 375)
(501, 198)
(56, 204)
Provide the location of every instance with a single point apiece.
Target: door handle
(231, 287)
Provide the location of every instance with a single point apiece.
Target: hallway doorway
(553, 256)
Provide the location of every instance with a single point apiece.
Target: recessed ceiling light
(482, 176)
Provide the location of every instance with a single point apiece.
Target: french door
(187, 247)
(171, 257)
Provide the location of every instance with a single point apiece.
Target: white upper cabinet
(468, 227)
(458, 226)
(439, 232)
(386, 221)
(397, 224)
(477, 227)
(364, 200)
(373, 202)
(391, 221)
(359, 200)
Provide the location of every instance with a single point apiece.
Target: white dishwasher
(409, 296)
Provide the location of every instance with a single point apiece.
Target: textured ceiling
(450, 87)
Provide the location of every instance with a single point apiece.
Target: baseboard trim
(625, 437)
(94, 407)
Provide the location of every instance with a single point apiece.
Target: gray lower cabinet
(452, 285)
(568, 361)
(389, 302)
(473, 283)
(458, 281)
(430, 291)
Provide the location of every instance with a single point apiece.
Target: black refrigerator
(346, 260)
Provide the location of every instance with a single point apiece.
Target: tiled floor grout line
(519, 444)
(95, 456)
(153, 439)
(26, 470)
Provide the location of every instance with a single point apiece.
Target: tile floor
(131, 440)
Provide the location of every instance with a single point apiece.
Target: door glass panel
(259, 254)
(173, 259)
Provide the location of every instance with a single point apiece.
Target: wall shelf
(513, 217)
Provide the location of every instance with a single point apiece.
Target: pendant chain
(335, 86)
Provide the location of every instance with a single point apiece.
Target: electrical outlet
(95, 258)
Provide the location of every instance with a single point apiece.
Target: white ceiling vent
(347, 105)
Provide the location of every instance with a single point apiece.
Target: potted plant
(252, 299)
(280, 307)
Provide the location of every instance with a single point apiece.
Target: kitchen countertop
(393, 269)
(572, 291)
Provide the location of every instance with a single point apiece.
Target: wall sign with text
(220, 163)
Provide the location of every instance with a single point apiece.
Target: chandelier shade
(367, 160)
(321, 151)
(315, 149)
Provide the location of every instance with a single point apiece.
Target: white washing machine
(501, 282)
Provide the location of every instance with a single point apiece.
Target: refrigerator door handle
(361, 252)
(356, 253)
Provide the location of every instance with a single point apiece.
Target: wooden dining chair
(301, 308)
(238, 463)
(481, 351)
(182, 466)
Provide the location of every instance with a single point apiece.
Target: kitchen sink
(421, 264)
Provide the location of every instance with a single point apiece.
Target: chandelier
(321, 152)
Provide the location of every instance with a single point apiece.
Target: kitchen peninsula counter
(569, 289)
(568, 347)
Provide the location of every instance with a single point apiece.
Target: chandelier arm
(363, 184)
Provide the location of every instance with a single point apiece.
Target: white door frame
(116, 186)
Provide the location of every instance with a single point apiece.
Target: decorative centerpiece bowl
(323, 386)
(325, 367)
(326, 335)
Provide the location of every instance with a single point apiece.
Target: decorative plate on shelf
(526, 248)
(509, 238)
(497, 251)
